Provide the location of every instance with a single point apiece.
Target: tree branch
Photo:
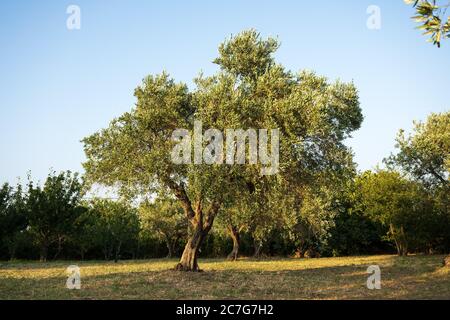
(180, 194)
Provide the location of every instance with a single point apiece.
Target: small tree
(117, 224)
(85, 234)
(53, 209)
(13, 218)
(424, 155)
(233, 223)
(354, 231)
(399, 204)
(250, 214)
(308, 216)
(262, 220)
(164, 218)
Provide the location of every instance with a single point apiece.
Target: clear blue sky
(58, 86)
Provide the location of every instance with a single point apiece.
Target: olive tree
(424, 155)
(164, 218)
(310, 116)
(401, 205)
(433, 17)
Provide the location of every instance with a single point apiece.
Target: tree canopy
(425, 153)
(250, 90)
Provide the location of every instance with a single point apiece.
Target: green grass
(413, 277)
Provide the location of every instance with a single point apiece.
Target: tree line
(403, 208)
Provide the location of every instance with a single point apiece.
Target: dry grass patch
(414, 277)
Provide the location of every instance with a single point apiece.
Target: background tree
(164, 218)
(85, 235)
(53, 209)
(424, 155)
(353, 232)
(13, 218)
(256, 214)
(233, 223)
(312, 223)
(250, 91)
(117, 225)
(435, 23)
(399, 204)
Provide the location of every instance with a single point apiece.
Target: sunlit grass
(414, 277)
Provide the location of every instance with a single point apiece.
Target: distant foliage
(401, 206)
(13, 219)
(164, 220)
(52, 210)
(116, 225)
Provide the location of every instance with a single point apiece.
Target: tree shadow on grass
(337, 282)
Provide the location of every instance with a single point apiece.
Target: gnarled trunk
(234, 234)
(201, 222)
(188, 261)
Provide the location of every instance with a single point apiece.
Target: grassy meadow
(413, 277)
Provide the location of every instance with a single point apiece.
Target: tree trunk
(257, 246)
(174, 244)
(400, 240)
(107, 251)
(169, 249)
(403, 243)
(138, 249)
(58, 251)
(188, 261)
(117, 254)
(234, 234)
(12, 244)
(301, 248)
(402, 251)
(12, 253)
(201, 223)
(43, 253)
